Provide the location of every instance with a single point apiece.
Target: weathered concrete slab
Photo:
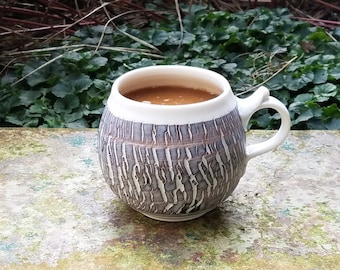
(56, 210)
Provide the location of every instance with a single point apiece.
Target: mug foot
(176, 217)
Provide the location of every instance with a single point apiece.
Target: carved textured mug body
(177, 162)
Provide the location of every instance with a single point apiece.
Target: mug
(178, 162)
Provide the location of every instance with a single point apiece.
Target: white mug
(177, 162)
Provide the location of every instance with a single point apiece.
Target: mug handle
(261, 99)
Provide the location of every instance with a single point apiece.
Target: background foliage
(67, 85)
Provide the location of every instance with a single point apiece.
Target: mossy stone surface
(57, 212)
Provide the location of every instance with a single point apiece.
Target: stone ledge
(56, 210)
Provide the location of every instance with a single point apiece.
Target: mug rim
(126, 108)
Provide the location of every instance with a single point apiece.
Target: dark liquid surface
(170, 95)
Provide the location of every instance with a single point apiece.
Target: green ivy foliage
(299, 63)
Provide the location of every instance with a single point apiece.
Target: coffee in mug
(178, 162)
(170, 95)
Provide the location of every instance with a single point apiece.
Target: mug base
(176, 217)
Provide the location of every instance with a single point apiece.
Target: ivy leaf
(333, 124)
(74, 83)
(29, 97)
(8, 78)
(327, 58)
(335, 72)
(38, 76)
(95, 63)
(324, 91)
(331, 116)
(319, 35)
(72, 117)
(39, 107)
(66, 104)
(200, 46)
(80, 123)
(61, 89)
(229, 68)
(320, 76)
(295, 84)
(188, 38)
(331, 111)
(305, 79)
(32, 122)
(142, 63)
(217, 63)
(101, 84)
(198, 62)
(91, 40)
(159, 37)
(303, 117)
(174, 38)
(312, 59)
(72, 56)
(299, 100)
(80, 82)
(276, 83)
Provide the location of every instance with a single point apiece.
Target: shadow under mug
(177, 162)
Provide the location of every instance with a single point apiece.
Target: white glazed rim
(194, 77)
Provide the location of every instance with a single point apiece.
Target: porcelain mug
(177, 162)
